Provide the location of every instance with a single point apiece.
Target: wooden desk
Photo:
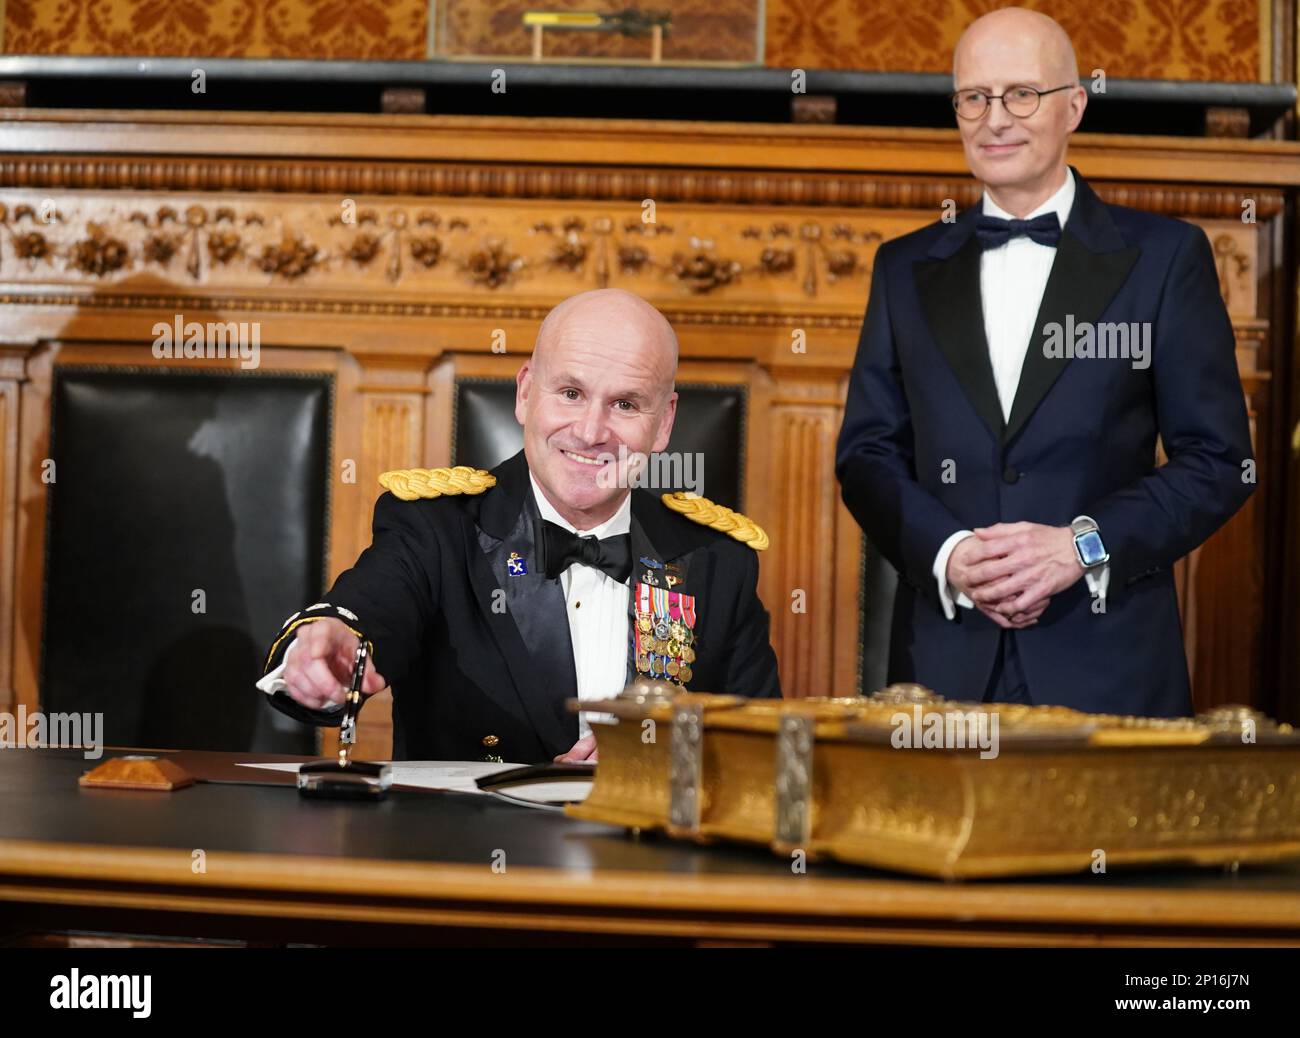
(418, 868)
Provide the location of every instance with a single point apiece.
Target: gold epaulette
(410, 484)
(718, 517)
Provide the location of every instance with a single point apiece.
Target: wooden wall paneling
(1287, 687)
(480, 364)
(33, 449)
(764, 492)
(1222, 583)
(439, 405)
(759, 230)
(1284, 293)
(1276, 281)
(345, 154)
(846, 660)
(805, 419)
(13, 373)
(392, 429)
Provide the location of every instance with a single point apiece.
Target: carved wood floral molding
(202, 243)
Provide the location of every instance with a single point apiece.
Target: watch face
(1091, 551)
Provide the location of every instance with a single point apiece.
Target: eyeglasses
(1020, 101)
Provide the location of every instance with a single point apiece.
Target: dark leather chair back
(186, 520)
(710, 422)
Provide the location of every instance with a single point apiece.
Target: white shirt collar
(618, 523)
(1060, 203)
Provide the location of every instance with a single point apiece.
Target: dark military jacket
(474, 639)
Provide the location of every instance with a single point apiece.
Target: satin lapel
(533, 634)
(1080, 287)
(949, 288)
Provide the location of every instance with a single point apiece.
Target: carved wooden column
(393, 397)
(799, 579)
(13, 372)
(1221, 583)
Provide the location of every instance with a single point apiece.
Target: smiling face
(599, 379)
(1020, 160)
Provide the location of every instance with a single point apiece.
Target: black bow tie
(993, 231)
(561, 548)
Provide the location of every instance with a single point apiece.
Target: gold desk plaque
(1064, 791)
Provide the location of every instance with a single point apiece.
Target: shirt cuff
(941, 575)
(273, 681)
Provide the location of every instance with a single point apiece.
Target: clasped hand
(1010, 571)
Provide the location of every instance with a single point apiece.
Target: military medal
(646, 645)
(681, 611)
(663, 632)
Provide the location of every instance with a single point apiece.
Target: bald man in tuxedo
(1015, 370)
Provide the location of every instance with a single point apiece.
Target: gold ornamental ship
(907, 781)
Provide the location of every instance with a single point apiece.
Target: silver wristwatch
(1088, 545)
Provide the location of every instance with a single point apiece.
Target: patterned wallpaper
(376, 29)
(1148, 39)
(1168, 39)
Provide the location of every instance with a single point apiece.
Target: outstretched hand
(320, 670)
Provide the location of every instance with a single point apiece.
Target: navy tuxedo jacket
(474, 652)
(924, 450)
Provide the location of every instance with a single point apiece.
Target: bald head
(1020, 155)
(1019, 30)
(616, 316)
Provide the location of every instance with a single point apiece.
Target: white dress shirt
(1013, 277)
(597, 608)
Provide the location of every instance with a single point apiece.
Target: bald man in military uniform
(490, 599)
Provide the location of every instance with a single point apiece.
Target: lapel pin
(516, 566)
